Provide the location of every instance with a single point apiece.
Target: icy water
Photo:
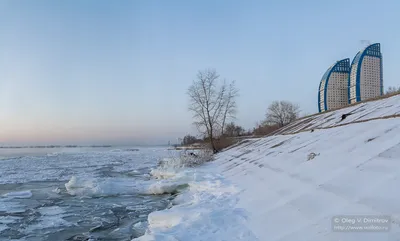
(79, 194)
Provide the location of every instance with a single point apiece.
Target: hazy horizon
(79, 146)
(105, 72)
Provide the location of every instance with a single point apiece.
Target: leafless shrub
(263, 130)
(281, 113)
(225, 142)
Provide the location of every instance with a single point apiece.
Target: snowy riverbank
(267, 189)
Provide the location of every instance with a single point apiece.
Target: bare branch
(211, 103)
(229, 106)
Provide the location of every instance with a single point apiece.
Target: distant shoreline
(53, 146)
(188, 147)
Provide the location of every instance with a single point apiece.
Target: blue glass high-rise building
(333, 87)
(366, 79)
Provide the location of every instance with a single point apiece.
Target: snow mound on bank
(205, 211)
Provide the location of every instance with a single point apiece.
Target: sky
(117, 72)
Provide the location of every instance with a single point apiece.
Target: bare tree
(392, 90)
(239, 131)
(229, 106)
(232, 130)
(211, 103)
(281, 113)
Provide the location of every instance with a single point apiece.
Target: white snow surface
(357, 172)
(267, 189)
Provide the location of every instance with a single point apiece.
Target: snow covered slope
(361, 112)
(356, 170)
(290, 187)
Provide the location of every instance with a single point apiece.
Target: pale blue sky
(117, 71)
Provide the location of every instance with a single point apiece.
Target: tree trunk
(223, 126)
(212, 141)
